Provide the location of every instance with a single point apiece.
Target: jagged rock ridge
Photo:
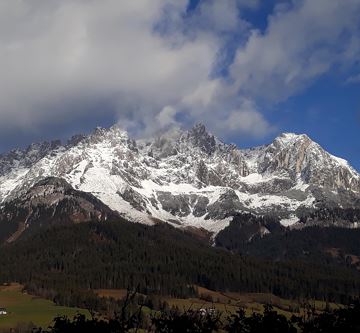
(187, 177)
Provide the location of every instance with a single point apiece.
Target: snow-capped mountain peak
(198, 136)
(186, 177)
(285, 139)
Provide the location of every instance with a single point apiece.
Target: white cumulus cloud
(151, 65)
(302, 41)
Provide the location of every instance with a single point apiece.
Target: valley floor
(230, 302)
(23, 309)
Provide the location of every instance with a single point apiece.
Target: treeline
(317, 245)
(211, 321)
(313, 243)
(334, 215)
(244, 228)
(65, 263)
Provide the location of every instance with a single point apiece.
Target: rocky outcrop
(18, 158)
(51, 201)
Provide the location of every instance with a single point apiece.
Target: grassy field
(229, 302)
(251, 302)
(24, 308)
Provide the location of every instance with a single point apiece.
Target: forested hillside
(315, 244)
(65, 261)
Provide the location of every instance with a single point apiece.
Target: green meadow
(25, 308)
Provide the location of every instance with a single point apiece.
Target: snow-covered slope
(187, 177)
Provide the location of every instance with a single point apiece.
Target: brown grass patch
(117, 294)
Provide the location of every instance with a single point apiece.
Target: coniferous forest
(314, 244)
(66, 262)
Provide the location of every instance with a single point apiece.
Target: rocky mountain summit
(188, 178)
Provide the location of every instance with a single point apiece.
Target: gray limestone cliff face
(177, 205)
(19, 158)
(227, 204)
(134, 199)
(199, 137)
(187, 173)
(298, 157)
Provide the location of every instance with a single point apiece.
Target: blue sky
(247, 69)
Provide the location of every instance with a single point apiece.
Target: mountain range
(188, 178)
